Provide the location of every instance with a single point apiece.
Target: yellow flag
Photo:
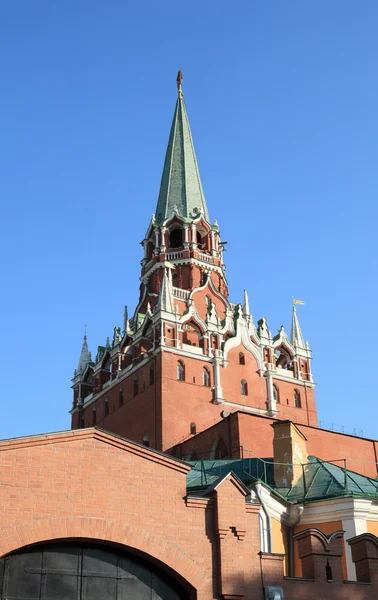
(295, 301)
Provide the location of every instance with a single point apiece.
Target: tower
(188, 353)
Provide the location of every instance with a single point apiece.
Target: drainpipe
(268, 528)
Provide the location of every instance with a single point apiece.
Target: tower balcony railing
(175, 255)
(182, 294)
(206, 258)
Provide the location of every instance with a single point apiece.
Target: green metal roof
(180, 187)
(320, 480)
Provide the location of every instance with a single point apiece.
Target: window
(241, 358)
(244, 387)
(175, 238)
(120, 397)
(152, 375)
(276, 393)
(198, 238)
(106, 407)
(146, 440)
(81, 421)
(136, 386)
(180, 371)
(297, 399)
(94, 417)
(193, 429)
(206, 377)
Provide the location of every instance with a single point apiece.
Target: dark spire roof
(180, 187)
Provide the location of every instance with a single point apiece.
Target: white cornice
(246, 408)
(183, 261)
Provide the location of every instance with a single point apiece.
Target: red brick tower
(188, 353)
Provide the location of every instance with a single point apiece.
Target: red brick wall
(69, 482)
(255, 434)
(232, 375)
(307, 413)
(92, 485)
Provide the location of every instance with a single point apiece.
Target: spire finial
(179, 81)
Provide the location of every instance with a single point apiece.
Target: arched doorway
(82, 571)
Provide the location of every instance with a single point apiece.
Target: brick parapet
(365, 556)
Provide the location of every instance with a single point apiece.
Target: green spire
(180, 187)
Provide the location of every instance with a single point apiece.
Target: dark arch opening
(175, 238)
(80, 570)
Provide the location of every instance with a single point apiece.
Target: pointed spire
(296, 337)
(85, 355)
(180, 187)
(246, 310)
(165, 301)
(107, 343)
(125, 321)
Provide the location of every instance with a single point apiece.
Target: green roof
(180, 187)
(320, 480)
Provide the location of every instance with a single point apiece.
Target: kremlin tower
(188, 355)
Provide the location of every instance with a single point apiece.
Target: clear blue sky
(282, 97)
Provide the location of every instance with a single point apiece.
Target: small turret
(165, 301)
(85, 356)
(296, 337)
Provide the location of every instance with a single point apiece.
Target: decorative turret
(296, 337)
(165, 301)
(85, 356)
(180, 188)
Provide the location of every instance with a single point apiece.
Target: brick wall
(92, 485)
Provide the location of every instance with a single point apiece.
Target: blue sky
(282, 99)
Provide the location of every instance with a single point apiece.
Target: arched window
(297, 399)
(150, 249)
(106, 407)
(206, 377)
(175, 238)
(241, 358)
(146, 440)
(136, 386)
(180, 371)
(244, 387)
(193, 429)
(94, 417)
(276, 393)
(198, 238)
(152, 375)
(120, 397)
(81, 421)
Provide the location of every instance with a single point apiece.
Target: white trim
(242, 337)
(251, 409)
